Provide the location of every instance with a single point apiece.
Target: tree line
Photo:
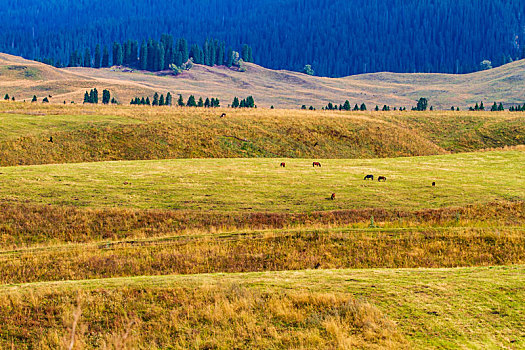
(92, 97)
(167, 53)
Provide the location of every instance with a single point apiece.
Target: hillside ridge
(280, 88)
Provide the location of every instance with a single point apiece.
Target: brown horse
(332, 197)
(283, 165)
(316, 164)
(369, 177)
(381, 178)
(434, 184)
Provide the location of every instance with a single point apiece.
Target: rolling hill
(282, 89)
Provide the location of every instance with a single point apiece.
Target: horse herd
(367, 177)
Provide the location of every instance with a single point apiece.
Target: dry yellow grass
(95, 133)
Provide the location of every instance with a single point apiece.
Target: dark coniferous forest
(336, 37)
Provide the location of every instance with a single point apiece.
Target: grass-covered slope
(98, 133)
(373, 309)
(282, 89)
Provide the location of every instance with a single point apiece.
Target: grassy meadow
(154, 228)
(101, 133)
(261, 185)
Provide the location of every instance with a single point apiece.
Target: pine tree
(180, 102)
(346, 105)
(377, 108)
(245, 53)
(72, 59)
(143, 56)
(191, 101)
(229, 58)
(161, 100)
(155, 99)
(250, 54)
(93, 96)
(34, 98)
(500, 107)
(212, 102)
(168, 99)
(98, 57)
(481, 107)
(148, 102)
(206, 51)
(363, 107)
(356, 107)
(207, 102)
(105, 57)
(118, 57)
(160, 57)
(476, 108)
(183, 49)
(200, 103)
(87, 58)
(143, 101)
(494, 107)
(106, 96)
(235, 103)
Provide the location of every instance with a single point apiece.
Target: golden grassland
(313, 309)
(98, 133)
(270, 250)
(107, 243)
(283, 89)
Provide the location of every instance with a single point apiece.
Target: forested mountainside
(337, 37)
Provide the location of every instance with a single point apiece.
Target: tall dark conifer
(87, 58)
(143, 56)
(98, 57)
(105, 58)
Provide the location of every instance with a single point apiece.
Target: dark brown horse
(283, 165)
(434, 184)
(332, 197)
(381, 178)
(316, 164)
(369, 177)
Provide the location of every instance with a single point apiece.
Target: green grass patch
(258, 185)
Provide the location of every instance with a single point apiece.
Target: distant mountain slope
(337, 37)
(283, 89)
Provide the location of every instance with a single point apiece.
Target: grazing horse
(283, 165)
(381, 178)
(332, 197)
(316, 164)
(369, 177)
(434, 184)
(223, 115)
(50, 139)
